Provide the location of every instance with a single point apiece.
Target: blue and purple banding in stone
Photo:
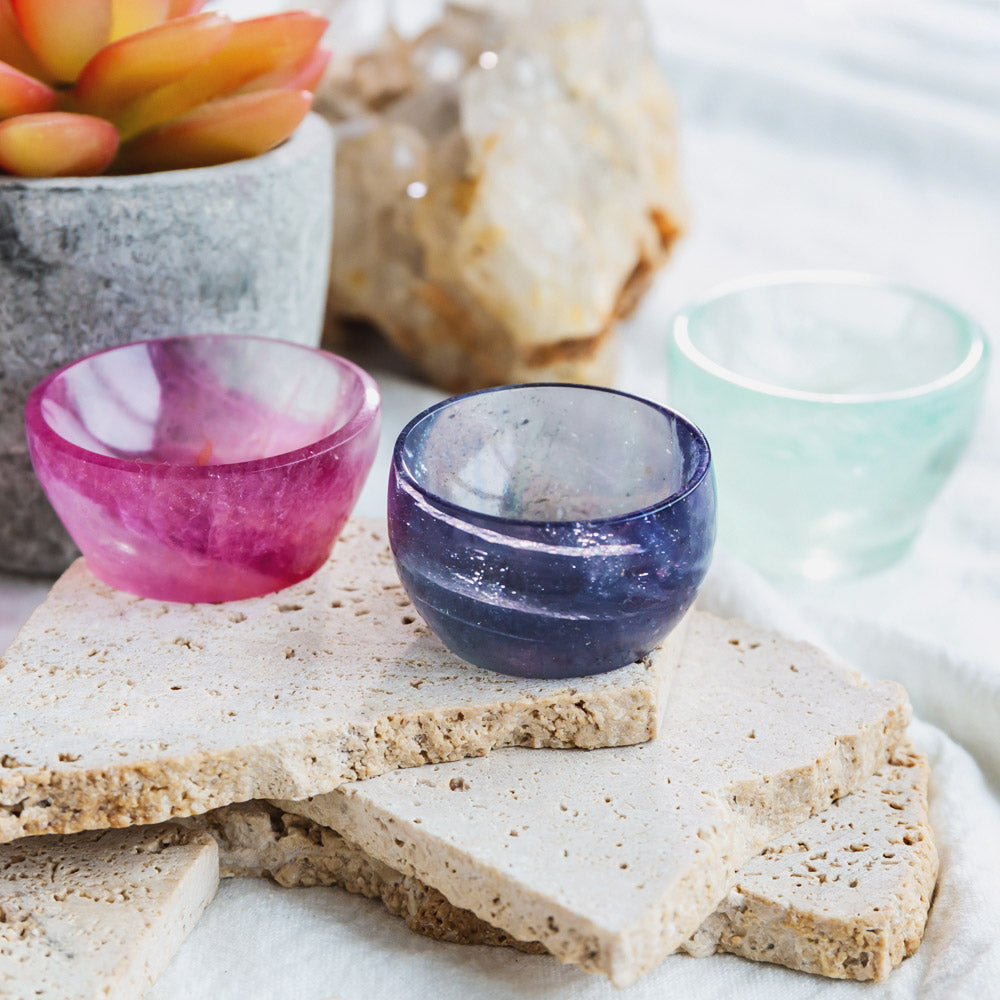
(551, 598)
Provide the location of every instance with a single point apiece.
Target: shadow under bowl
(551, 530)
(204, 468)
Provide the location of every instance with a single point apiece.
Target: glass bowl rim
(974, 360)
(691, 484)
(366, 410)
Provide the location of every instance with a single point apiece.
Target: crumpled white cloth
(858, 134)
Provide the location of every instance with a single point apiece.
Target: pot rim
(311, 132)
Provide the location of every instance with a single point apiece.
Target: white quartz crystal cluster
(506, 185)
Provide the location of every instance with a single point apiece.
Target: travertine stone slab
(116, 710)
(99, 915)
(844, 894)
(613, 859)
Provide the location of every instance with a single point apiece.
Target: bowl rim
(974, 361)
(366, 411)
(692, 482)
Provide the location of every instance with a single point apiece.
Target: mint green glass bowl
(835, 404)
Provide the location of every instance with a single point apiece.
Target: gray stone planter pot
(88, 263)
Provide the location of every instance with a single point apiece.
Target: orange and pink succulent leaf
(304, 76)
(144, 62)
(56, 144)
(13, 48)
(255, 47)
(231, 128)
(21, 94)
(130, 16)
(181, 8)
(64, 34)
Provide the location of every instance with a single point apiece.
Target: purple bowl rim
(693, 482)
(366, 412)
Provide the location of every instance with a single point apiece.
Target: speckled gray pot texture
(88, 263)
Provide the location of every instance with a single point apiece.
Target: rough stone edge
(865, 947)
(257, 839)
(177, 921)
(625, 956)
(141, 792)
(847, 764)
(162, 934)
(868, 946)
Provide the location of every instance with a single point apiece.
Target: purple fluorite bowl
(551, 530)
(204, 468)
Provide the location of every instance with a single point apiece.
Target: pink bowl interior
(206, 467)
(200, 401)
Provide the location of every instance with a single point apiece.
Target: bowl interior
(829, 337)
(551, 453)
(202, 400)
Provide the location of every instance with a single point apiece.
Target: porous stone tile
(98, 916)
(613, 859)
(117, 710)
(845, 894)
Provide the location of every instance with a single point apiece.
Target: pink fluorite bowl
(204, 468)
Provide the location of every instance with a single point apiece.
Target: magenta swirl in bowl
(551, 530)
(204, 468)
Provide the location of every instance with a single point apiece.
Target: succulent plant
(88, 86)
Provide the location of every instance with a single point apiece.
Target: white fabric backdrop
(833, 133)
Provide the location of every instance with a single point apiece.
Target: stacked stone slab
(613, 859)
(812, 900)
(117, 710)
(99, 914)
(644, 848)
